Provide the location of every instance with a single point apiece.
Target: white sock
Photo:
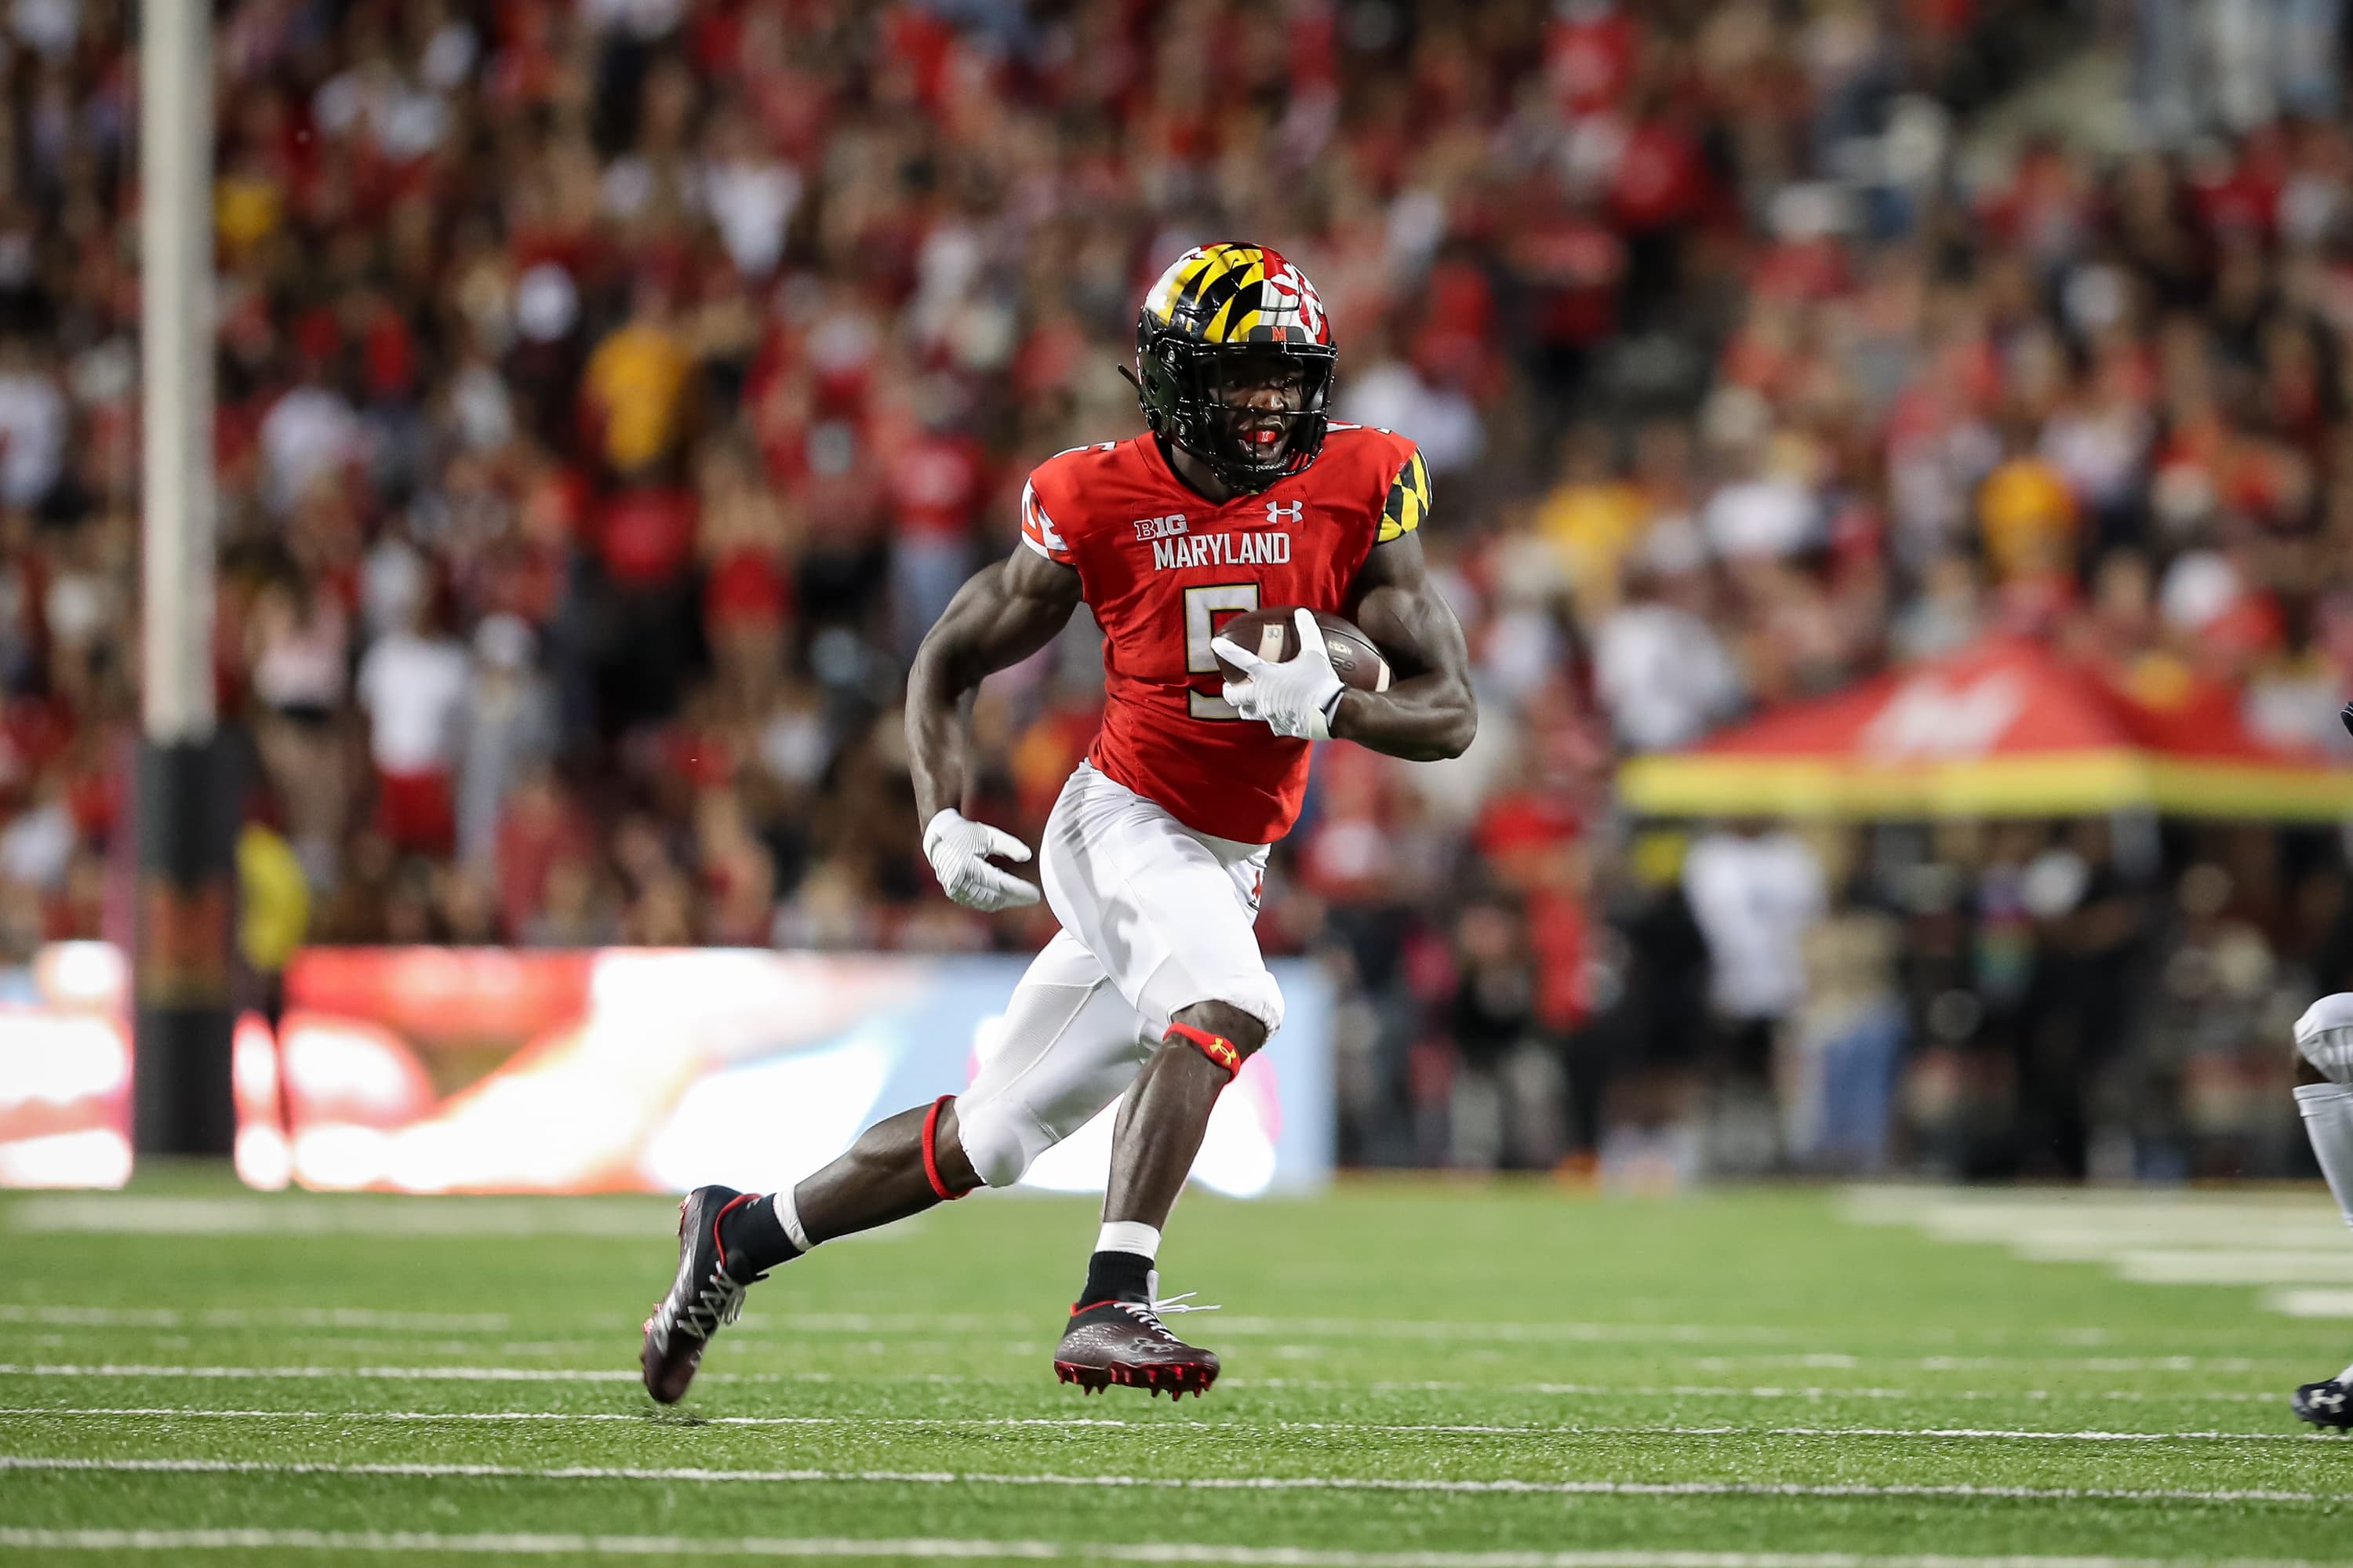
(788, 1214)
(1128, 1235)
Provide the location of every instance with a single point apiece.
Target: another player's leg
(1115, 1333)
(2323, 1095)
(1071, 1046)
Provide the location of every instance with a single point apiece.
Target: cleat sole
(1178, 1378)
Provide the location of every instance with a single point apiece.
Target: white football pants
(1156, 917)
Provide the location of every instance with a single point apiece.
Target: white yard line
(1838, 1360)
(1992, 1433)
(2147, 1239)
(380, 1375)
(697, 1475)
(1444, 1329)
(394, 1332)
(513, 1543)
(868, 1340)
(1152, 1424)
(397, 1335)
(68, 1315)
(71, 1315)
(61, 1315)
(647, 1417)
(1812, 1394)
(605, 1347)
(2331, 1264)
(1439, 1330)
(54, 1315)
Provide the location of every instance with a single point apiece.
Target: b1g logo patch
(1166, 527)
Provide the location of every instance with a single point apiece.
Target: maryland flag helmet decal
(1238, 293)
(1223, 318)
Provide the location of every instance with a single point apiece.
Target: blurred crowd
(612, 391)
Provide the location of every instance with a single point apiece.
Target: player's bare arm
(1004, 614)
(1430, 713)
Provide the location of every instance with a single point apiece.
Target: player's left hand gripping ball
(1296, 697)
(959, 850)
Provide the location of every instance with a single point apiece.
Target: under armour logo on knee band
(930, 1156)
(1216, 1047)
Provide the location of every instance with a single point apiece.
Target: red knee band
(1216, 1047)
(930, 1155)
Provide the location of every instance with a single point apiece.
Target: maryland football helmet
(1210, 324)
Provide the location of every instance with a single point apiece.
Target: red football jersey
(1164, 569)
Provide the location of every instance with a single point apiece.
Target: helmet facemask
(1213, 400)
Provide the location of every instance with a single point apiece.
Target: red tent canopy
(2001, 729)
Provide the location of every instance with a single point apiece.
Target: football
(1271, 634)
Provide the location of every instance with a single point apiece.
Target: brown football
(1271, 635)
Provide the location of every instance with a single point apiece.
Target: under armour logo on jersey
(1285, 511)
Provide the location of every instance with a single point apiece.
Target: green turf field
(1462, 1377)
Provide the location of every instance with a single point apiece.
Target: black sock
(1117, 1277)
(754, 1238)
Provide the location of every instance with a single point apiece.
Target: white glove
(1296, 697)
(959, 848)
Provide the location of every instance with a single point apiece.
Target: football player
(1242, 492)
(2324, 1096)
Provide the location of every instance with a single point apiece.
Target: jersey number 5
(1206, 609)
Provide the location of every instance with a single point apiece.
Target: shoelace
(719, 1303)
(1147, 1313)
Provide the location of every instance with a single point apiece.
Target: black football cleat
(704, 1299)
(2328, 1406)
(1125, 1342)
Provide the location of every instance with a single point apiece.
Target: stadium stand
(614, 392)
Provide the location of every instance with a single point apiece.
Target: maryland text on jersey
(1263, 549)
